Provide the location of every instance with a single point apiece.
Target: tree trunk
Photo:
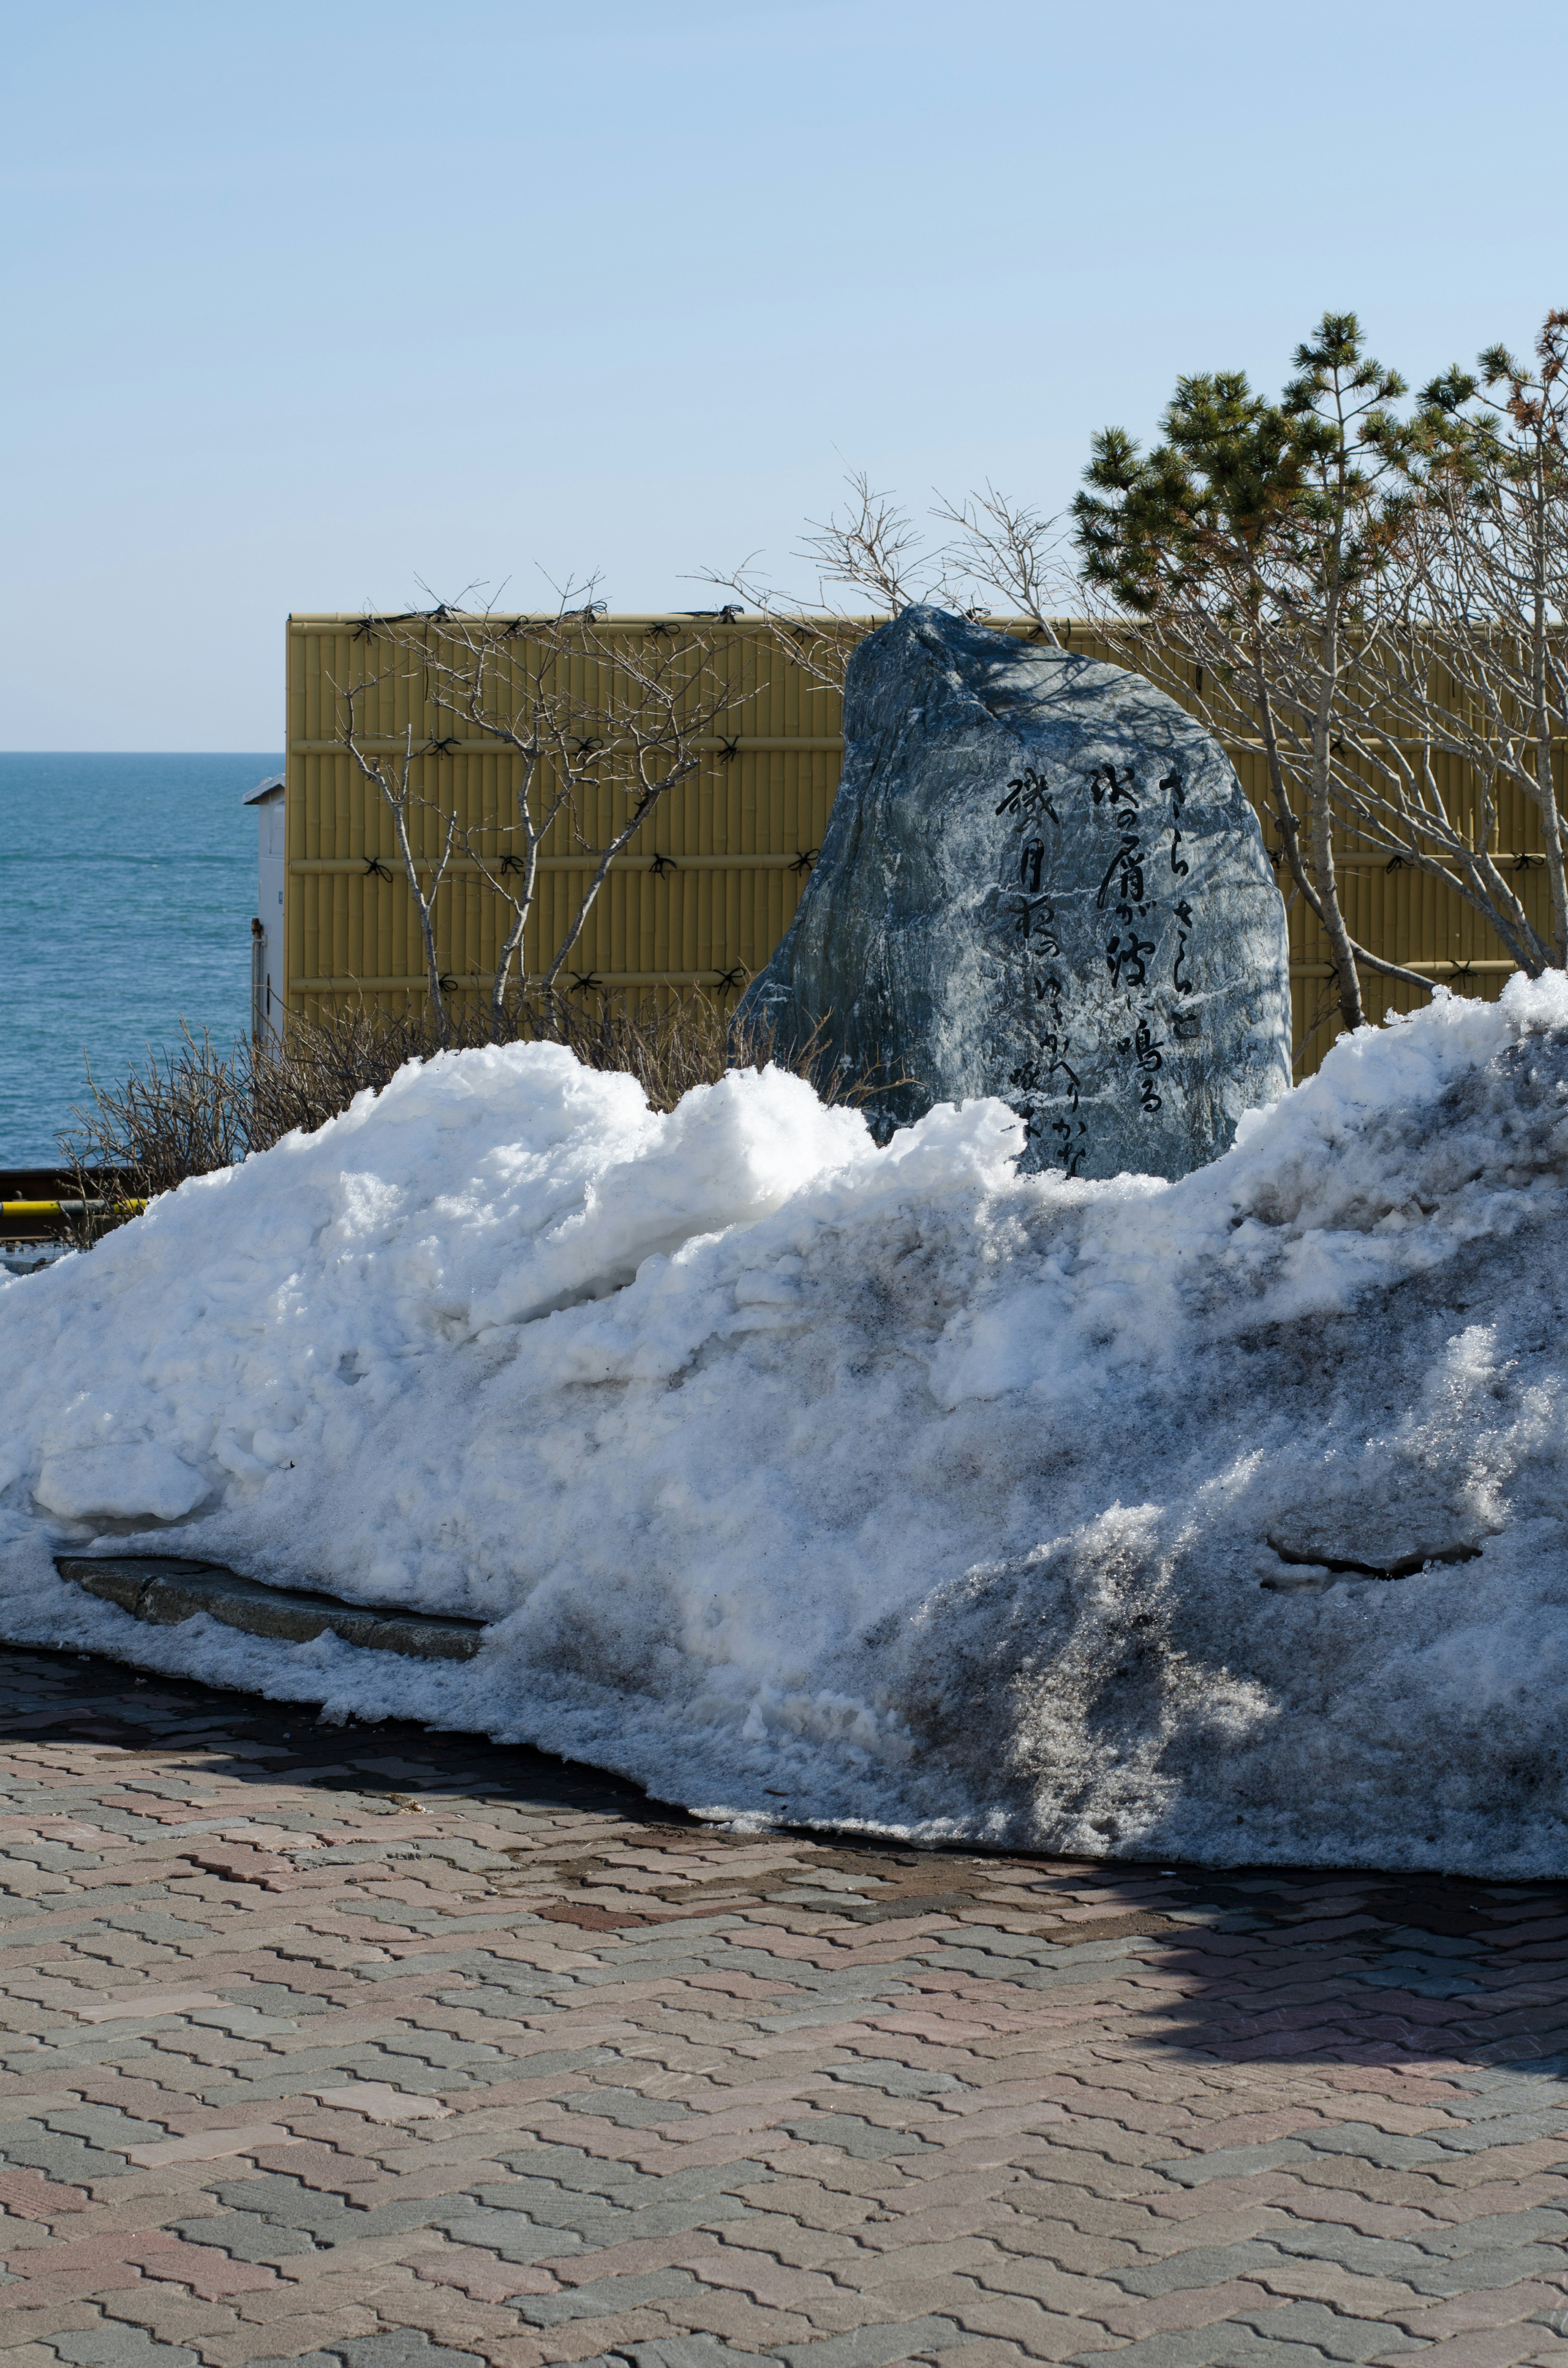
(1545, 787)
(1320, 821)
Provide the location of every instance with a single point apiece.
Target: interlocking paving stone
(122, 2346)
(635, 2090)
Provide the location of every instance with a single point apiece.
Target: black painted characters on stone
(1033, 907)
(1174, 782)
(1031, 919)
(1058, 1065)
(1184, 915)
(1126, 866)
(1147, 1061)
(1126, 962)
(1112, 789)
(1029, 795)
(1047, 1080)
(1070, 1148)
(1053, 1076)
(1143, 1048)
(1026, 908)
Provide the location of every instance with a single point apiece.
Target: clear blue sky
(306, 302)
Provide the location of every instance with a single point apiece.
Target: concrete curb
(165, 1590)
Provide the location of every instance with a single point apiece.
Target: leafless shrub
(576, 705)
(1000, 559)
(185, 1113)
(190, 1110)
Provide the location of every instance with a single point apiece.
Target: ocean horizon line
(267, 753)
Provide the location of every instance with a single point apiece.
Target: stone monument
(1041, 880)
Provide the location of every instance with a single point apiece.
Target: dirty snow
(804, 1479)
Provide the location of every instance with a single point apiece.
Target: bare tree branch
(393, 779)
(874, 547)
(1003, 548)
(581, 709)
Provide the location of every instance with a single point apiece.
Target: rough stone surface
(166, 1591)
(1041, 880)
(317, 2047)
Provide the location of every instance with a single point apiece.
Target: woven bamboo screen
(707, 887)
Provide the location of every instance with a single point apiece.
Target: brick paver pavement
(374, 2047)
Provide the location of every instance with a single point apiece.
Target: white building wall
(267, 945)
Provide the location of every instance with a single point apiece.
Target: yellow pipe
(67, 1208)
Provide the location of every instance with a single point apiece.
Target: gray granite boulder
(1041, 880)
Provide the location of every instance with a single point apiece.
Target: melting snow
(883, 1486)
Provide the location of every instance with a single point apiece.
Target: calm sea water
(127, 887)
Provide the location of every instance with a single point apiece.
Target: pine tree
(1256, 537)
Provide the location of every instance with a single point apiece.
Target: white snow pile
(804, 1479)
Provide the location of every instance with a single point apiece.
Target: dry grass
(192, 1109)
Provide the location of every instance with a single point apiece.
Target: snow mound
(804, 1478)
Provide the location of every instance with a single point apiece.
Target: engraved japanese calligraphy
(1041, 880)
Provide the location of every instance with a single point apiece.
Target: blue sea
(127, 888)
